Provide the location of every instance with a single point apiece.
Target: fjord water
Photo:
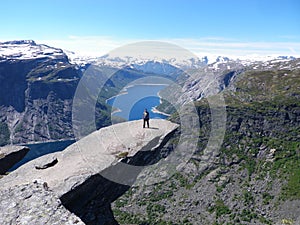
(40, 149)
(130, 104)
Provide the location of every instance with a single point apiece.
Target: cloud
(86, 45)
(100, 45)
(239, 48)
(290, 37)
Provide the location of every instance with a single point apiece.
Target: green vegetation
(286, 166)
(182, 180)
(121, 203)
(154, 215)
(277, 86)
(219, 208)
(4, 134)
(247, 215)
(159, 193)
(19, 128)
(264, 220)
(248, 198)
(287, 222)
(127, 218)
(284, 142)
(267, 198)
(292, 189)
(51, 74)
(122, 155)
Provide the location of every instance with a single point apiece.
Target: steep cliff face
(252, 179)
(36, 97)
(37, 89)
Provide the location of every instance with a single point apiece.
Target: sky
(95, 27)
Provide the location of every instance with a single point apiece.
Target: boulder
(10, 155)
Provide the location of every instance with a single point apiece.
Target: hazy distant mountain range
(28, 49)
(38, 82)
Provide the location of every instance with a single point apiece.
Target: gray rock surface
(32, 203)
(10, 155)
(91, 173)
(90, 155)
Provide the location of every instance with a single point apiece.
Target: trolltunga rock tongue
(64, 171)
(84, 179)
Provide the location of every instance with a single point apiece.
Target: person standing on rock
(146, 118)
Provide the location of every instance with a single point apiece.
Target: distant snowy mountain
(157, 67)
(147, 64)
(28, 49)
(167, 65)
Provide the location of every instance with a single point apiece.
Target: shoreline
(160, 97)
(160, 102)
(116, 110)
(145, 84)
(115, 96)
(43, 142)
(153, 109)
(124, 91)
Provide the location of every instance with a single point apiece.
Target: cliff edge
(91, 173)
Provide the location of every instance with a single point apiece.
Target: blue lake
(131, 103)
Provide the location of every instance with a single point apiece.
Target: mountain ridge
(39, 82)
(26, 49)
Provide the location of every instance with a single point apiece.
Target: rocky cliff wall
(253, 178)
(36, 97)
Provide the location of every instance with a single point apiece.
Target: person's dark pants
(146, 121)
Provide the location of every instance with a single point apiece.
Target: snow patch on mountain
(28, 49)
(214, 61)
(138, 63)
